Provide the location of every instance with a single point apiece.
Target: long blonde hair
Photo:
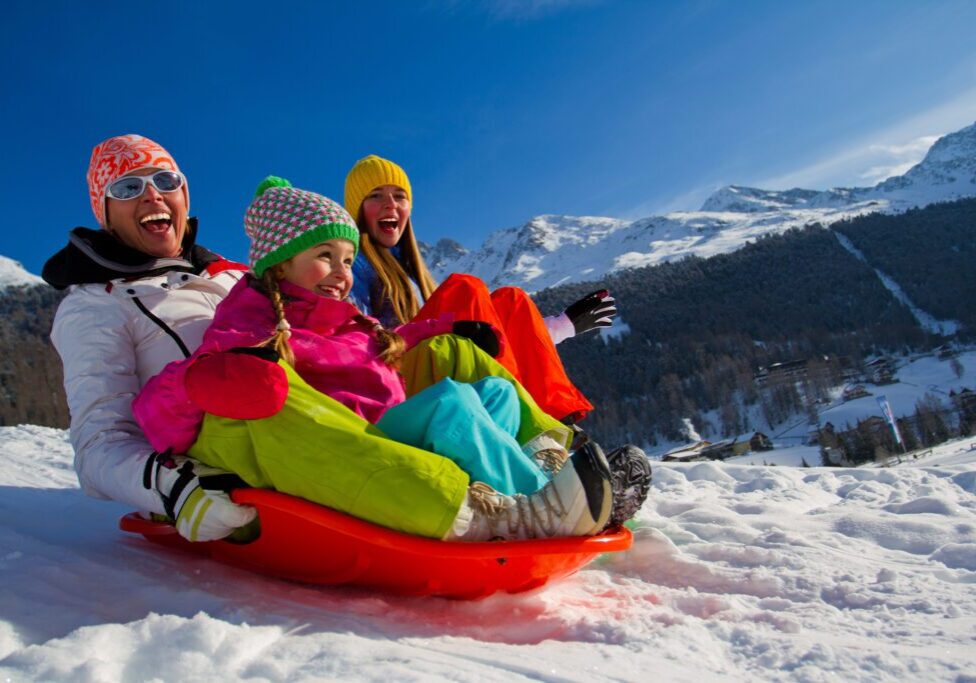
(392, 345)
(394, 278)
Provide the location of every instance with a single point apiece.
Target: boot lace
(532, 516)
(551, 460)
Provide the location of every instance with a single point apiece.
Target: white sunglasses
(133, 186)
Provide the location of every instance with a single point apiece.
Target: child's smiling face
(325, 269)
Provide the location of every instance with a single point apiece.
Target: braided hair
(392, 345)
(279, 340)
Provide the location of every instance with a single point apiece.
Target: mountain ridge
(551, 250)
(13, 274)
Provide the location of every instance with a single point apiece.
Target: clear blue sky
(499, 110)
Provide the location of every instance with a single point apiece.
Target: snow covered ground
(738, 572)
(914, 377)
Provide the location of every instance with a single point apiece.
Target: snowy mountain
(552, 250)
(12, 274)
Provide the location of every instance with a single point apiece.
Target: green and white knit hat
(283, 221)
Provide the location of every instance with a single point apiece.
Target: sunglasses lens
(127, 188)
(131, 187)
(167, 181)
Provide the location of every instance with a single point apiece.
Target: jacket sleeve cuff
(416, 331)
(560, 327)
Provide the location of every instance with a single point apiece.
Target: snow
(914, 377)
(553, 250)
(13, 274)
(738, 572)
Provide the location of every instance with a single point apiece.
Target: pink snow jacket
(335, 351)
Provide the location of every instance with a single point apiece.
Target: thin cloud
(896, 159)
(534, 9)
(686, 201)
(870, 160)
(863, 164)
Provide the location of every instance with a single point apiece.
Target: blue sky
(498, 110)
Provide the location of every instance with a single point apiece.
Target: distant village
(872, 438)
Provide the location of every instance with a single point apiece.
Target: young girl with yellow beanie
(301, 424)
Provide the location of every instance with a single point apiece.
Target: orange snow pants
(528, 352)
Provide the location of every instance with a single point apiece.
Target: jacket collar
(95, 256)
(319, 314)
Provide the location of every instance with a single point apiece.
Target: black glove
(482, 334)
(592, 311)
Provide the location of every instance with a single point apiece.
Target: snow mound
(737, 573)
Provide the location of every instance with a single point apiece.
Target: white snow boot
(547, 453)
(577, 502)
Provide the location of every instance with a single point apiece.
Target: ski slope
(738, 573)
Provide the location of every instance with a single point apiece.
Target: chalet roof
(690, 448)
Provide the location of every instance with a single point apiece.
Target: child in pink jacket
(295, 301)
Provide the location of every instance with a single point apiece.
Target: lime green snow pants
(317, 449)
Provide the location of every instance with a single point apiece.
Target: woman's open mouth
(156, 222)
(388, 225)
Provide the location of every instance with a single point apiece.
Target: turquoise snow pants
(475, 425)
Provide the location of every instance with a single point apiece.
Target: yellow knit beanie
(368, 174)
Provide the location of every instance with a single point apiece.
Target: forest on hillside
(701, 329)
(31, 389)
(933, 252)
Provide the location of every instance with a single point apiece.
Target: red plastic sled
(302, 541)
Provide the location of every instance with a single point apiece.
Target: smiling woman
(392, 283)
(141, 292)
(132, 186)
(145, 211)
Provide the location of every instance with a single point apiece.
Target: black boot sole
(631, 481)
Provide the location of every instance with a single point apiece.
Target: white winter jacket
(112, 337)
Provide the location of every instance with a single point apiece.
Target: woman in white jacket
(141, 293)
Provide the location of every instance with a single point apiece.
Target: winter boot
(547, 454)
(631, 481)
(577, 502)
(579, 438)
